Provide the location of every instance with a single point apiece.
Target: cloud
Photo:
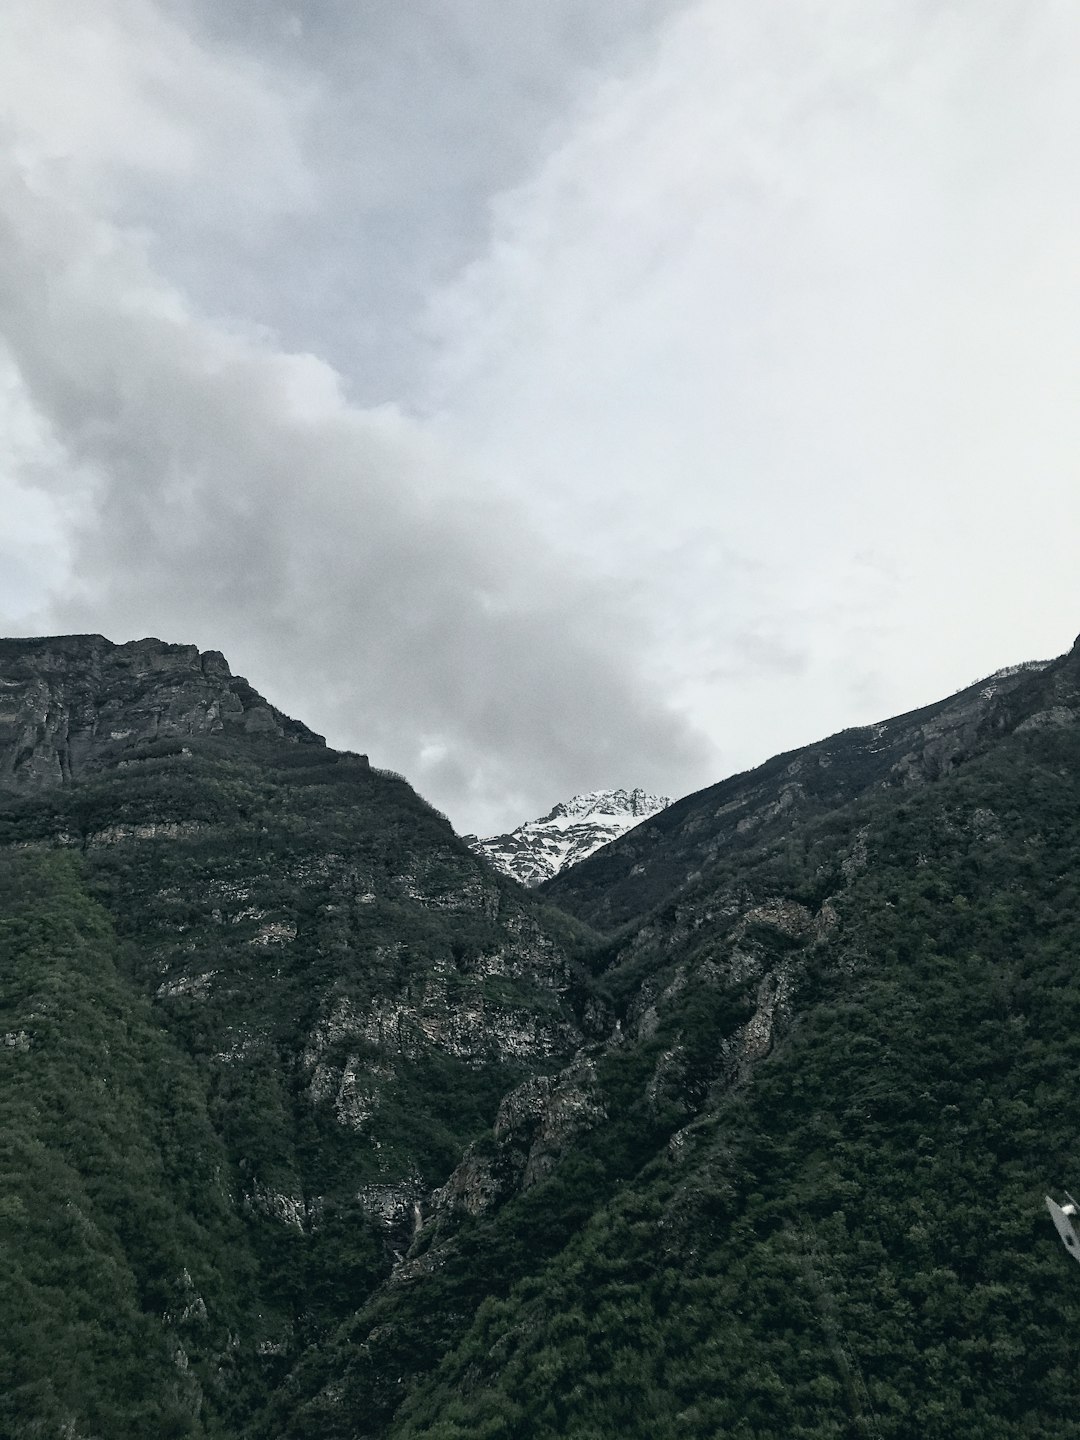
(238, 500)
(120, 97)
(406, 119)
(782, 333)
(520, 393)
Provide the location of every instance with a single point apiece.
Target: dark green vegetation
(115, 1217)
(315, 1128)
(257, 1000)
(854, 1242)
(625, 880)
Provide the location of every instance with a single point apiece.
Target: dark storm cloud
(238, 501)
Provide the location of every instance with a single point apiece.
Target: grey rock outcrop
(536, 1124)
(73, 704)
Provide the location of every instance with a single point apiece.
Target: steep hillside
(639, 871)
(569, 833)
(837, 1100)
(798, 1189)
(399, 1152)
(351, 988)
(126, 1267)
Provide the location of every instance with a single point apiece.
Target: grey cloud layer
(801, 293)
(411, 116)
(763, 317)
(237, 500)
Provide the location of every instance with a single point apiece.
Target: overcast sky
(548, 396)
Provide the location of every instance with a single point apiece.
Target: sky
(541, 398)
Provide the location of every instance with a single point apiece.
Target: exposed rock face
(72, 704)
(539, 849)
(536, 1124)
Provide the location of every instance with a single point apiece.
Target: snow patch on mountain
(538, 849)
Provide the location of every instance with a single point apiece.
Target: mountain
(77, 704)
(567, 834)
(640, 870)
(313, 1125)
(258, 997)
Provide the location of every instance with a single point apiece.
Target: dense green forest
(124, 1255)
(855, 1242)
(315, 1127)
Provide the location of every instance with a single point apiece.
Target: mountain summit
(540, 849)
(76, 705)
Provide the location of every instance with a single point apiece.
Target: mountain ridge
(904, 751)
(73, 704)
(353, 1138)
(571, 830)
(350, 988)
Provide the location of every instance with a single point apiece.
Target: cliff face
(757, 1204)
(73, 704)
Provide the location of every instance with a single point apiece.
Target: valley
(316, 1124)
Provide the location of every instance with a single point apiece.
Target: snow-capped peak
(569, 832)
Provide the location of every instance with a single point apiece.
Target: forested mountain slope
(125, 1265)
(638, 871)
(766, 1159)
(805, 1194)
(340, 989)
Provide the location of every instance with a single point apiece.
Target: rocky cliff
(349, 988)
(73, 704)
(754, 1202)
